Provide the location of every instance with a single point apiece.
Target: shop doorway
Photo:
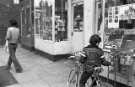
(78, 28)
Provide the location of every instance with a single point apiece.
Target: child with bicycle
(92, 59)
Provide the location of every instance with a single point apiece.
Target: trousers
(12, 57)
(84, 77)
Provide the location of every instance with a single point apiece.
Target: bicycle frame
(76, 71)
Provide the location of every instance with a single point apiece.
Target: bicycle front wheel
(99, 83)
(104, 84)
(72, 79)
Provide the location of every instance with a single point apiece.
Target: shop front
(51, 26)
(63, 26)
(119, 31)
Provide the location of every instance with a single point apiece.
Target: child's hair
(95, 39)
(13, 23)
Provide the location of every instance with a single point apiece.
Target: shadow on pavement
(6, 77)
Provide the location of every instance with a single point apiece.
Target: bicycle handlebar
(71, 57)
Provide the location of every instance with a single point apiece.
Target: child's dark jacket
(93, 57)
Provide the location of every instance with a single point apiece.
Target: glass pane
(26, 22)
(37, 22)
(43, 18)
(78, 18)
(60, 20)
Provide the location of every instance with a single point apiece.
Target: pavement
(38, 71)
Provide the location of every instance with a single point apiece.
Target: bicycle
(73, 78)
(75, 73)
(97, 79)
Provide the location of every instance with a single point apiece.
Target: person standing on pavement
(12, 38)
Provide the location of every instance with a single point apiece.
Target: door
(78, 30)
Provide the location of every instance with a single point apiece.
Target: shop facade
(63, 26)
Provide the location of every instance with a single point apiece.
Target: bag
(6, 46)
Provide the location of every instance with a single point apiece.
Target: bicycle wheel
(100, 83)
(72, 79)
(104, 84)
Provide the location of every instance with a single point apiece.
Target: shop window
(60, 20)
(26, 26)
(27, 19)
(46, 20)
(120, 21)
(37, 22)
(43, 19)
(78, 18)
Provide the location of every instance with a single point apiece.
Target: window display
(60, 20)
(43, 18)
